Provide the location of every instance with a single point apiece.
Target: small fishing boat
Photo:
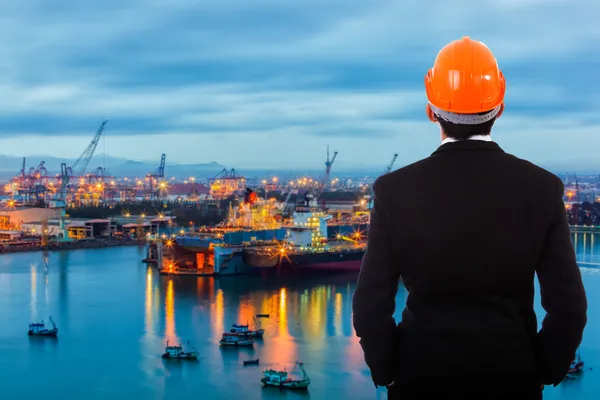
(262, 315)
(244, 330)
(39, 329)
(236, 340)
(282, 379)
(179, 352)
(251, 362)
(576, 366)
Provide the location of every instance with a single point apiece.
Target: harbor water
(115, 315)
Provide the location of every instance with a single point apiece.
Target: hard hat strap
(465, 119)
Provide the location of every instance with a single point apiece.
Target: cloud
(239, 79)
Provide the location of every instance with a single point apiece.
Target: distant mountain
(140, 168)
(119, 167)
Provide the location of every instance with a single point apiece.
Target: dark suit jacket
(466, 230)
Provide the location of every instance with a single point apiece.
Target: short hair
(462, 131)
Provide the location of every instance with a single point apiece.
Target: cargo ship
(255, 238)
(306, 245)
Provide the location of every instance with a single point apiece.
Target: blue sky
(269, 83)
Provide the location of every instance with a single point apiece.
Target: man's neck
(485, 138)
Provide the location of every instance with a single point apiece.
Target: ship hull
(326, 261)
(261, 260)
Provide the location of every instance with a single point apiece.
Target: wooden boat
(178, 352)
(251, 362)
(282, 379)
(39, 329)
(262, 315)
(244, 330)
(236, 340)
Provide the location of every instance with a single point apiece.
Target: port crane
(328, 165)
(369, 197)
(81, 164)
(290, 191)
(32, 183)
(59, 203)
(226, 183)
(390, 165)
(156, 185)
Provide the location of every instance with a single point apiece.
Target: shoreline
(74, 245)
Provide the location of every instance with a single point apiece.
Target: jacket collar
(463, 145)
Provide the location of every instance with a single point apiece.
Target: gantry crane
(156, 187)
(59, 203)
(32, 184)
(226, 183)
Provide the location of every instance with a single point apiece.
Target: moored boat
(236, 340)
(251, 362)
(179, 352)
(244, 330)
(283, 380)
(576, 366)
(40, 329)
(262, 315)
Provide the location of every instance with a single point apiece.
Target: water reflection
(45, 257)
(217, 314)
(149, 309)
(310, 320)
(337, 310)
(33, 300)
(585, 247)
(170, 314)
(63, 285)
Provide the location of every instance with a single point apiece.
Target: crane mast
(156, 184)
(328, 165)
(59, 203)
(80, 166)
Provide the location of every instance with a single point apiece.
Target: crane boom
(80, 166)
(390, 165)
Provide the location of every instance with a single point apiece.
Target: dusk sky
(268, 84)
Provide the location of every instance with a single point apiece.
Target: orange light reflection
(217, 315)
(170, 313)
(246, 312)
(283, 321)
(148, 320)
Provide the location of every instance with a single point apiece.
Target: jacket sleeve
(563, 298)
(374, 303)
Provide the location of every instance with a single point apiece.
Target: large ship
(255, 238)
(306, 245)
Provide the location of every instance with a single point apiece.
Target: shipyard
(225, 224)
(221, 224)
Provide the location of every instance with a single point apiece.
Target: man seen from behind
(467, 229)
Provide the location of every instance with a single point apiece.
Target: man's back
(467, 230)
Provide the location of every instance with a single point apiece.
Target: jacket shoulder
(401, 173)
(537, 173)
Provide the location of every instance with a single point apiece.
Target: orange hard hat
(465, 79)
